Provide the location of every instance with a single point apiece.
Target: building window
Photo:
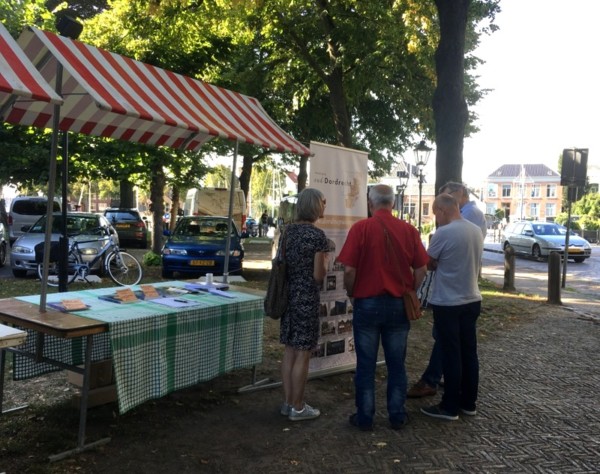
(535, 191)
(550, 210)
(492, 190)
(534, 209)
(409, 209)
(506, 190)
(490, 208)
(425, 208)
(551, 191)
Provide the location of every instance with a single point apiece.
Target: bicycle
(122, 267)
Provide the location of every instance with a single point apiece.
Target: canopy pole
(230, 214)
(51, 187)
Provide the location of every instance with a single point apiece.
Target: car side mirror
(25, 228)
(528, 233)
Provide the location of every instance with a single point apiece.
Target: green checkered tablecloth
(158, 349)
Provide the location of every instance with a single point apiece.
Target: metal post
(64, 239)
(554, 278)
(420, 196)
(402, 204)
(566, 253)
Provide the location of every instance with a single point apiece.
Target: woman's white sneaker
(307, 413)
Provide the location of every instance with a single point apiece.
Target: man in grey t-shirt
(430, 379)
(455, 252)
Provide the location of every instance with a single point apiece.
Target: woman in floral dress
(305, 248)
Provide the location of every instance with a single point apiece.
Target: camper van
(215, 202)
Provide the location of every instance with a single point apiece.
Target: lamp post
(422, 152)
(403, 177)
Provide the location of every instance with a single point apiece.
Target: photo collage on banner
(341, 175)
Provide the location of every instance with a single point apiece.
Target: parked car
(24, 211)
(197, 247)
(81, 226)
(129, 225)
(3, 245)
(538, 239)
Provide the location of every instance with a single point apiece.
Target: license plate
(122, 226)
(575, 250)
(202, 263)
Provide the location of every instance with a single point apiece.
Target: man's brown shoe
(420, 390)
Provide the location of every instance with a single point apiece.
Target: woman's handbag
(276, 300)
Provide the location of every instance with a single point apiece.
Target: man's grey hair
(453, 186)
(381, 195)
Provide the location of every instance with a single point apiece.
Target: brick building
(530, 191)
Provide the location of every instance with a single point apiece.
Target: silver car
(80, 226)
(538, 239)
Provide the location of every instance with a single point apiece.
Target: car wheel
(2, 254)
(536, 252)
(19, 273)
(144, 244)
(167, 274)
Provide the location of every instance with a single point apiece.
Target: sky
(543, 66)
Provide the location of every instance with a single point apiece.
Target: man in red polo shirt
(383, 258)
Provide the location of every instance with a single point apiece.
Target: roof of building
(531, 170)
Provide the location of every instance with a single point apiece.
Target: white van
(215, 202)
(25, 211)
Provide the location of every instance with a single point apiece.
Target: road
(582, 283)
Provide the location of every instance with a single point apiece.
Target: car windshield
(203, 228)
(546, 229)
(122, 216)
(75, 224)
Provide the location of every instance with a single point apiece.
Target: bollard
(509, 269)
(554, 278)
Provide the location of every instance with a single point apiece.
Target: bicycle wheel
(123, 268)
(72, 260)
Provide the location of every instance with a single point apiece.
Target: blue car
(197, 247)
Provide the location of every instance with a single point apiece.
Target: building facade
(528, 191)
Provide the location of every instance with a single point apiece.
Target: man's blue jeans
(457, 337)
(380, 318)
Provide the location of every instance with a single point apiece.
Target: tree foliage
(359, 74)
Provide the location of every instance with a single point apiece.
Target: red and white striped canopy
(19, 79)
(110, 95)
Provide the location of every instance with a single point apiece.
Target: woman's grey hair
(309, 205)
(381, 195)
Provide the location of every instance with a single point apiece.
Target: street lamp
(403, 177)
(422, 152)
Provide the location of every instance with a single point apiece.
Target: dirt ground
(211, 427)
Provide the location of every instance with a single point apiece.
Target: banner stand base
(268, 383)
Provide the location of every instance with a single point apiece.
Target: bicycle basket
(54, 252)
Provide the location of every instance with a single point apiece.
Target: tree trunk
(449, 105)
(337, 100)
(245, 177)
(127, 200)
(174, 208)
(302, 174)
(157, 189)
